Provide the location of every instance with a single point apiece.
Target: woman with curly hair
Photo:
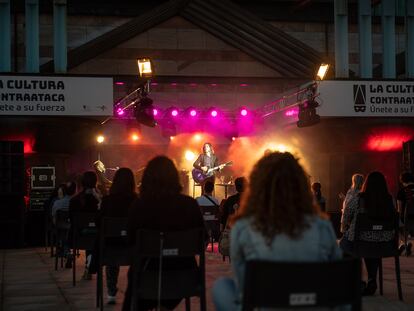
(277, 221)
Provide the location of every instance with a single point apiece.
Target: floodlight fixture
(323, 69)
(145, 68)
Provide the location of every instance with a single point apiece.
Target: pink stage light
(243, 112)
(174, 112)
(119, 83)
(214, 113)
(292, 112)
(154, 112)
(193, 112)
(120, 111)
(243, 84)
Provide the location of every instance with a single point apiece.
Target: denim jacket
(317, 243)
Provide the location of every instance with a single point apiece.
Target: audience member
(86, 201)
(317, 196)
(68, 190)
(207, 199)
(161, 207)
(375, 201)
(277, 221)
(232, 203)
(351, 201)
(117, 204)
(405, 199)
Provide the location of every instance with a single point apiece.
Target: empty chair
(212, 223)
(164, 266)
(270, 284)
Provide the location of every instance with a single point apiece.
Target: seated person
(233, 202)
(63, 203)
(277, 221)
(207, 199)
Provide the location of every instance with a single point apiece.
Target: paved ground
(29, 283)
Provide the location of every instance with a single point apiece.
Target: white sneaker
(111, 300)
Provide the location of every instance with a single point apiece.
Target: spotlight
(134, 137)
(144, 68)
(214, 113)
(174, 112)
(155, 112)
(120, 111)
(323, 69)
(193, 112)
(243, 112)
(189, 155)
(197, 137)
(144, 112)
(307, 114)
(100, 139)
(233, 138)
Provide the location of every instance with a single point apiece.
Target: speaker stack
(408, 156)
(12, 189)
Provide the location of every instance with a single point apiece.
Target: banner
(56, 96)
(366, 99)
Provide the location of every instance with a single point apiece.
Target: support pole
(5, 37)
(32, 36)
(365, 39)
(388, 42)
(409, 52)
(341, 39)
(60, 36)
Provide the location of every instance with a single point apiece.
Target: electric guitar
(199, 175)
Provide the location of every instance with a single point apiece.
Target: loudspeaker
(408, 156)
(12, 168)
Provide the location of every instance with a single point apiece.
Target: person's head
(208, 187)
(99, 166)
(240, 184)
(267, 152)
(278, 197)
(160, 179)
(377, 199)
(70, 188)
(89, 180)
(207, 147)
(61, 191)
(317, 189)
(357, 181)
(406, 178)
(124, 182)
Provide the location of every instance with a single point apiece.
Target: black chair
(113, 249)
(211, 220)
(270, 284)
(159, 283)
(84, 236)
(368, 249)
(60, 234)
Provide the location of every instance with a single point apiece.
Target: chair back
(113, 242)
(372, 249)
(175, 252)
(62, 220)
(84, 230)
(211, 220)
(270, 284)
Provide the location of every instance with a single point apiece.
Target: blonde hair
(357, 181)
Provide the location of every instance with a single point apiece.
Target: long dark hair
(278, 197)
(124, 182)
(377, 200)
(160, 179)
(211, 148)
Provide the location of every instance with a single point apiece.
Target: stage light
(243, 112)
(120, 112)
(144, 112)
(233, 138)
(144, 68)
(155, 112)
(323, 69)
(214, 113)
(171, 137)
(134, 137)
(100, 139)
(189, 155)
(174, 112)
(193, 112)
(198, 137)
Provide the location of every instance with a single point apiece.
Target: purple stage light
(243, 112)
(119, 83)
(292, 112)
(154, 112)
(174, 112)
(193, 112)
(214, 113)
(120, 111)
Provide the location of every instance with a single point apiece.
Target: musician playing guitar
(207, 160)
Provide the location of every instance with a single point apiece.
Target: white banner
(56, 96)
(366, 99)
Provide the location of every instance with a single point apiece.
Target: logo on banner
(360, 96)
